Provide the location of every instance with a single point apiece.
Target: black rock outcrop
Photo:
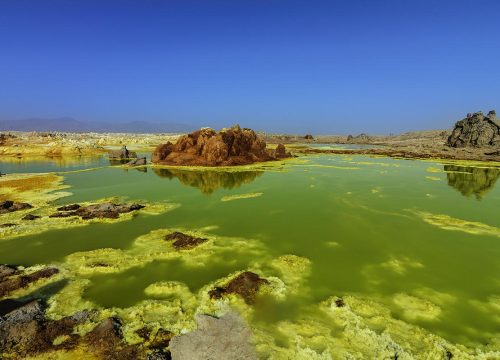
(123, 154)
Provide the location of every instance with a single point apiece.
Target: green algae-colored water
(375, 227)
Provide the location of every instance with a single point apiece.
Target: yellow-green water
(374, 227)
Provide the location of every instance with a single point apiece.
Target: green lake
(374, 227)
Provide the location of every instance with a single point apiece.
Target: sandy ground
(413, 145)
(418, 145)
(23, 144)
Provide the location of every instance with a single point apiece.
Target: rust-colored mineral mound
(206, 147)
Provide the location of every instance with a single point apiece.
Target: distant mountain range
(68, 124)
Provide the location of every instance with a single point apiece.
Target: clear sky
(345, 66)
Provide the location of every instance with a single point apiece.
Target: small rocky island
(228, 147)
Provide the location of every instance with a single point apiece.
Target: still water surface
(356, 218)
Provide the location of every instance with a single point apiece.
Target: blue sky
(277, 65)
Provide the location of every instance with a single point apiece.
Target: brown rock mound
(100, 211)
(246, 285)
(11, 206)
(26, 331)
(9, 282)
(206, 147)
(184, 241)
(476, 130)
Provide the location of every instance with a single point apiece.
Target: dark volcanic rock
(107, 333)
(63, 214)
(6, 225)
(183, 241)
(104, 210)
(20, 327)
(205, 147)
(246, 285)
(69, 207)
(7, 270)
(122, 154)
(159, 355)
(30, 217)
(309, 137)
(161, 340)
(476, 130)
(8, 206)
(339, 302)
(106, 339)
(25, 330)
(12, 283)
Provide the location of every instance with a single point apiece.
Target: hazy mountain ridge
(68, 124)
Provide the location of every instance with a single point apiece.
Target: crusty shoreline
(408, 153)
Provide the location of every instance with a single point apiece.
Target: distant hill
(68, 124)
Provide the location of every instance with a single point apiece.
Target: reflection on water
(118, 161)
(472, 180)
(211, 180)
(37, 164)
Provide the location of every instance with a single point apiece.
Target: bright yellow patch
(241, 196)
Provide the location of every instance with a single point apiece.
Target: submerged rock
(184, 241)
(138, 162)
(10, 283)
(476, 130)
(206, 147)
(246, 285)
(227, 337)
(8, 206)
